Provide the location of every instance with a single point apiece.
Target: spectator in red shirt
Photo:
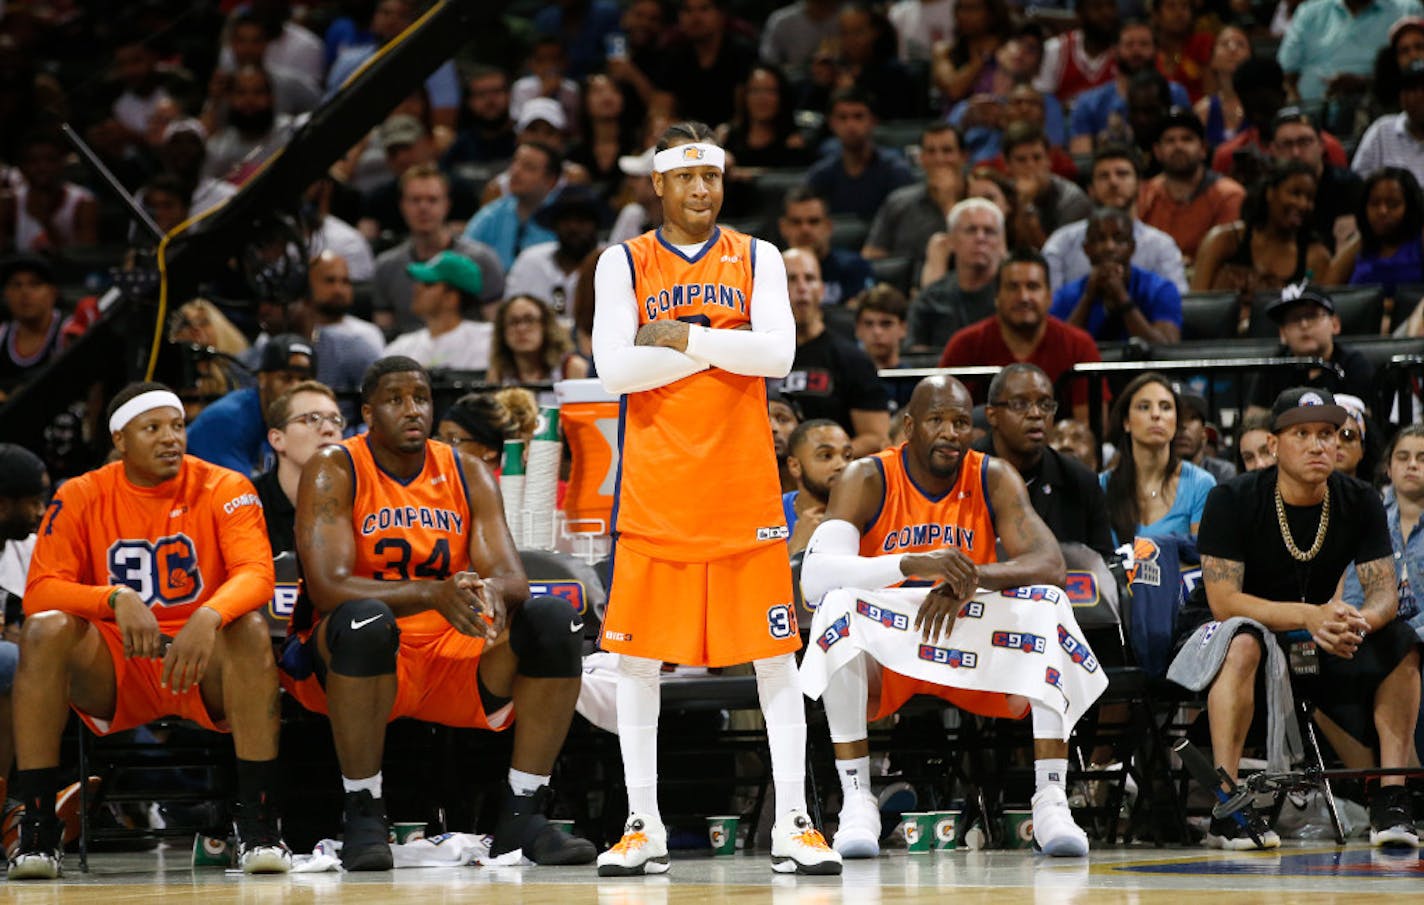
(1183, 53)
(1260, 85)
(1021, 329)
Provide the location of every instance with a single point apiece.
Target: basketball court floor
(1307, 874)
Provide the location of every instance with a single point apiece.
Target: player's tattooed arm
(667, 333)
(1227, 572)
(1032, 552)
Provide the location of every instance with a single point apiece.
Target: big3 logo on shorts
(163, 572)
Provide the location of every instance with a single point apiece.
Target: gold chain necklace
(1291, 548)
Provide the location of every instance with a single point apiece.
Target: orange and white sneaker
(797, 847)
(642, 850)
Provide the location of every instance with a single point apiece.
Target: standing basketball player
(690, 319)
(141, 603)
(423, 611)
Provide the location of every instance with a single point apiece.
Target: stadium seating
(1210, 315)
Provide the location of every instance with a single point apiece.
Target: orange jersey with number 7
(197, 539)
(697, 477)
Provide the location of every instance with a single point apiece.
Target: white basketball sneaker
(642, 850)
(858, 835)
(1053, 826)
(798, 847)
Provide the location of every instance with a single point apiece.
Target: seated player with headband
(994, 636)
(142, 602)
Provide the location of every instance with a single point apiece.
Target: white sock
(845, 697)
(855, 777)
(639, 703)
(1050, 771)
(370, 784)
(526, 783)
(782, 705)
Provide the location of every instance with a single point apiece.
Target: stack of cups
(930, 831)
(541, 489)
(511, 487)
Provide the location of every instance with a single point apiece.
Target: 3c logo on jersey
(781, 621)
(163, 572)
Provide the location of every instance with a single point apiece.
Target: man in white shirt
(1114, 183)
(446, 286)
(921, 24)
(1397, 139)
(550, 270)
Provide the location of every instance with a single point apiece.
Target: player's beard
(819, 492)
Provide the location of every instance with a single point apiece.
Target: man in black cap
(232, 432)
(1308, 326)
(549, 271)
(1192, 421)
(1397, 139)
(1294, 136)
(1186, 200)
(1274, 544)
(31, 336)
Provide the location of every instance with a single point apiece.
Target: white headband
(697, 154)
(143, 402)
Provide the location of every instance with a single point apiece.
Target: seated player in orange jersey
(416, 605)
(994, 633)
(142, 602)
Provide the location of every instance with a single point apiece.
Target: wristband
(114, 597)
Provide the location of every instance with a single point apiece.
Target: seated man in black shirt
(1306, 315)
(830, 376)
(1065, 494)
(1274, 544)
(299, 422)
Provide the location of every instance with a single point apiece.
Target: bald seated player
(924, 514)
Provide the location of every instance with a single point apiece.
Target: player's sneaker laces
(1227, 834)
(858, 835)
(642, 850)
(40, 853)
(364, 844)
(66, 808)
(798, 847)
(522, 825)
(1053, 828)
(260, 849)
(1392, 818)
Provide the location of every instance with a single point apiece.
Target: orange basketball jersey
(697, 474)
(912, 521)
(176, 544)
(410, 530)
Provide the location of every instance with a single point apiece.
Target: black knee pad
(363, 638)
(547, 637)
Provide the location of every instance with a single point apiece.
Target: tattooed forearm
(328, 510)
(1222, 570)
(1378, 580)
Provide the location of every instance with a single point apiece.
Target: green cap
(513, 458)
(449, 268)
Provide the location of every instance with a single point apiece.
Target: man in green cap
(446, 286)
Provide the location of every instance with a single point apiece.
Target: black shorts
(1345, 689)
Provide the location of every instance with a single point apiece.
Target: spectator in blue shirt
(1115, 300)
(232, 432)
(1104, 108)
(507, 223)
(806, 223)
(583, 26)
(392, 17)
(857, 180)
(1330, 46)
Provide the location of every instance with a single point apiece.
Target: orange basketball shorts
(436, 680)
(896, 689)
(718, 613)
(138, 698)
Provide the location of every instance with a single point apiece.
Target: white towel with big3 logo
(1021, 641)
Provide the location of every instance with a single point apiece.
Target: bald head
(329, 285)
(939, 391)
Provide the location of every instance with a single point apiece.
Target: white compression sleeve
(1048, 724)
(639, 703)
(845, 700)
(785, 712)
(623, 366)
(768, 349)
(833, 561)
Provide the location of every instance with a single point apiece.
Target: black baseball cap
(1299, 294)
(1195, 403)
(278, 351)
(1288, 115)
(1182, 118)
(1305, 405)
(27, 263)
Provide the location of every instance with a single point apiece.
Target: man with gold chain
(1274, 544)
